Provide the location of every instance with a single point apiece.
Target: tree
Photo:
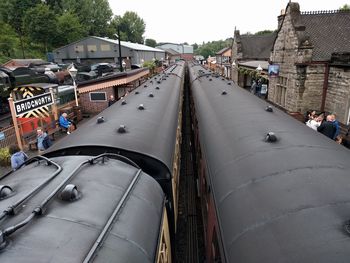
(94, 15)
(8, 40)
(40, 25)
(263, 32)
(150, 42)
(345, 7)
(211, 48)
(131, 26)
(69, 29)
(195, 46)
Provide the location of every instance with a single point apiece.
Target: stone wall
(338, 93)
(287, 52)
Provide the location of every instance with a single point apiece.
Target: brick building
(94, 95)
(312, 52)
(223, 62)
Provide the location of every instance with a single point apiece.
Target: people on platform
(111, 100)
(65, 123)
(327, 127)
(43, 140)
(18, 157)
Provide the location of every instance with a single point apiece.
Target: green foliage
(40, 25)
(150, 42)
(345, 7)
(195, 46)
(211, 48)
(69, 29)
(263, 32)
(8, 40)
(151, 65)
(5, 156)
(131, 27)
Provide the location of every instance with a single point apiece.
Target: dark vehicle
(272, 189)
(105, 193)
(102, 68)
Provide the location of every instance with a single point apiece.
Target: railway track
(189, 245)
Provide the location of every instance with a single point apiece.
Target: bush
(5, 157)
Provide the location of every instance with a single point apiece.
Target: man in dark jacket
(328, 127)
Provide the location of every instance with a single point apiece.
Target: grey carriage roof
(67, 230)
(151, 132)
(275, 202)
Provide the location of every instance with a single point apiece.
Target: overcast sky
(196, 21)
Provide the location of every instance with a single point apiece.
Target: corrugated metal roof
(130, 45)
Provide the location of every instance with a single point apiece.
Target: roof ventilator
(210, 79)
(100, 120)
(70, 193)
(224, 92)
(137, 92)
(151, 95)
(271, 137)
(229, 83)
(269, 109)
(123, 102)
(157, 87)
(122, 129)
(347, 227)
(5, 191)
(145, 86)
(141, 107)
(159, 82)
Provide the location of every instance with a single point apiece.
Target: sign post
(15, 124)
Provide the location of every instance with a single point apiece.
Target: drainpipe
(325, 86)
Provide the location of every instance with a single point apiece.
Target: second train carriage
(272, 189)
(145, 126)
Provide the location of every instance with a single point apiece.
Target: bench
(30, 138)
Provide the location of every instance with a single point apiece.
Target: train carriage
(82, 209)
(272, 189)
(145, 126)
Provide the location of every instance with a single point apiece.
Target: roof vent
(271, 137)
(137, 92)
(5, 191)
(141, 107)
(151, 95)
(210, 79)
(222, 79)
(123, 102)
(100, 119)
(122, 129)
(145, 86)
(157, 87)
(269, 109)
(158, 81)
(229, 83)
(223, 92)
(70, 193)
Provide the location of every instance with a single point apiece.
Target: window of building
(105, 47)
(281, 91)
(98, 96)
(92, 48)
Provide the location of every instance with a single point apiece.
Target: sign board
(263, 89)
(2, 136)
(273, 70)
(33, 103)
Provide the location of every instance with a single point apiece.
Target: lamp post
(73, 73)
